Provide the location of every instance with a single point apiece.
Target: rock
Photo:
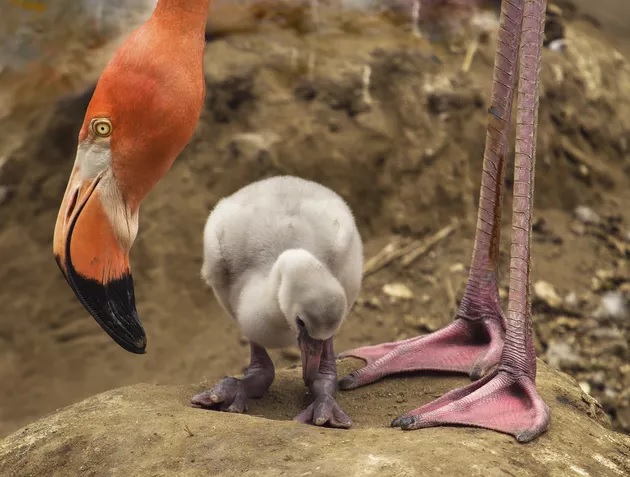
(603, 280)
(558, 45)
(560, 355)
(587, 215)
(613, 305)
(578, 228)
(373, 303)
(457, 268)
(151, 430)
(571, 300)
(398, 290)
(253, 147)
(545, 292)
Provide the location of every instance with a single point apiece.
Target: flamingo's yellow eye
(102, 127)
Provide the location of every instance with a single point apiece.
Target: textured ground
(150, 430)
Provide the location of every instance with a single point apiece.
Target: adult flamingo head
(142, 114)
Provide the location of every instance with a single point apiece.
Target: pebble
(578, 228)
(604, 274)
(586, 215)
(558, 45)
(457, 268)
(598, 379)
(610, 393)
(586, 387)
(571, 300)
(398, 290)
(560, 355)
(545, 292)
(253, 146)
(613, 305)
(373, 302)
(584, 170)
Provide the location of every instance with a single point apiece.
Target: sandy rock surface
(149, 430)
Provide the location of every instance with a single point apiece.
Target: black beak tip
(113, 307)
(123, 325)
(136, 347)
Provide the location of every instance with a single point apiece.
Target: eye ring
(102, 127)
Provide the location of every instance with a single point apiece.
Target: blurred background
(386, 107)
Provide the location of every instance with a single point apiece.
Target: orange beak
(93, 235)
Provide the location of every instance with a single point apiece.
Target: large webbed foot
(465, 346)
(501, 401)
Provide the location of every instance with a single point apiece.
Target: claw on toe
(227, 395)
(403, 422)
(324, 411)
(500, 402)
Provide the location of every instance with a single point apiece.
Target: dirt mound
(393, 125)
(150, 430)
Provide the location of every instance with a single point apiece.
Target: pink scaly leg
(507, 400)
(473, 343)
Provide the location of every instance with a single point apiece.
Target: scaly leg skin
(324, 409)
(474, 341)
(231, 394)
(507, 400)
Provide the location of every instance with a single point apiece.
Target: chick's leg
(324, 410)
(231, 394)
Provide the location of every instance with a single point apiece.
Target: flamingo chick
(284, 259)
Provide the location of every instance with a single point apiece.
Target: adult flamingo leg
(507, 399)
(473, 343)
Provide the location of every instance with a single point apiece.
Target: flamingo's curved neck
(190, 14)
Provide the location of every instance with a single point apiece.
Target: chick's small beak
(311, 350)
(95, 264)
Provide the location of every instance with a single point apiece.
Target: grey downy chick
(285, 260)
